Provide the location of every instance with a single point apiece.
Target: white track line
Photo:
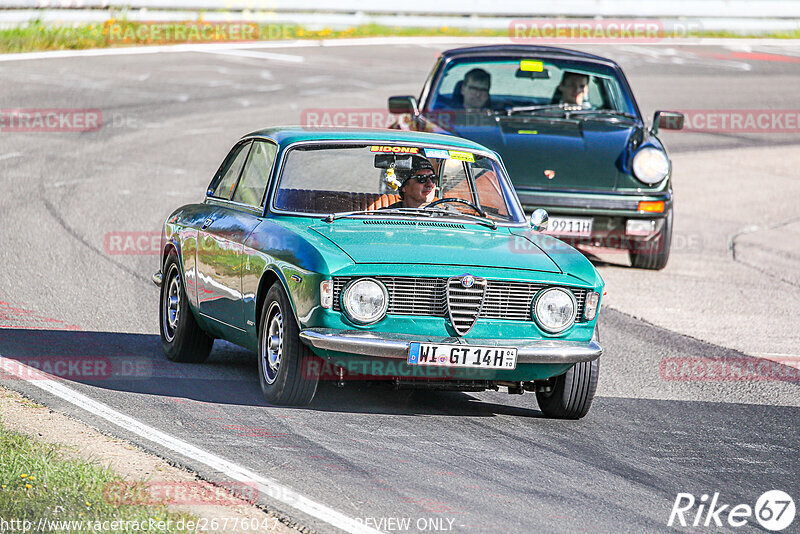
(367, 41)
(270, 487)
(258, 55)
(10, 155)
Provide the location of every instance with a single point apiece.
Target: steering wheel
(460, 201)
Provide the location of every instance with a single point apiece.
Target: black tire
(181, 337)
(571, 395)
(653, 254)
(286, 367)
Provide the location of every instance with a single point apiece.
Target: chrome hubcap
(272, 343)
(172, 304)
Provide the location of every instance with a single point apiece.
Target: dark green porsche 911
(571, 135)
(296, 254)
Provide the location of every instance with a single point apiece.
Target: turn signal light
(592, 305)
(326, 294)
(651, 206)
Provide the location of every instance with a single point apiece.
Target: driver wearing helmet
(417, 186)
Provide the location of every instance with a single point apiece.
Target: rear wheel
(653, 254)
(181, 337)
(288, 369)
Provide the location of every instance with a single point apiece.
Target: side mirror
(668, 120)
(539, 220)
(403, 104)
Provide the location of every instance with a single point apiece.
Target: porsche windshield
(530, 85)
(393, 179)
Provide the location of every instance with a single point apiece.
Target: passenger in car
(573, 90)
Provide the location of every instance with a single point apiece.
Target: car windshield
(530, 85)
(330, 179)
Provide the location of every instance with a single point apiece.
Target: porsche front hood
(576, 154)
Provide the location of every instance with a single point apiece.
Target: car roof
(285, 135)
(511, 49)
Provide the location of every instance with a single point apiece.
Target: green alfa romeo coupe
(298, 254)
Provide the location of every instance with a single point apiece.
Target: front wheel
(653, 254)
(287, 368)
(570, 395)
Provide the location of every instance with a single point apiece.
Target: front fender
(277, 253)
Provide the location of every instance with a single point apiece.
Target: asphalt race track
(463, 462)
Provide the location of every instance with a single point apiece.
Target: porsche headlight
(650, 165)
(365, 301)
(554, 309)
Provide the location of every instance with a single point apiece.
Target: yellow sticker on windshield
(462, 156)
(530, 65)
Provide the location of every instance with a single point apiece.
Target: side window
(256, 173)
(226, 177)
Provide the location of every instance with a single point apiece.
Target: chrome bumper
(396, 346)
(157, 276)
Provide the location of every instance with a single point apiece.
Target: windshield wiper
(427, 212)
(541, 107)
(393, 211)
(613, 112)
(481, 220)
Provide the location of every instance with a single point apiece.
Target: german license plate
(475, 357)
(570, 226)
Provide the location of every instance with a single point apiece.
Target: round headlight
(365, 301)
(650, 165)
(555, 309)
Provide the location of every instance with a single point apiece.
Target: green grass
(40, 36)
(38, 481)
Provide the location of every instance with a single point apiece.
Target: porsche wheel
(288, 376)
(181, 337)
(654, 254)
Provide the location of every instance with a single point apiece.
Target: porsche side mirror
(668, 120)
(403, 104)
(539, 219)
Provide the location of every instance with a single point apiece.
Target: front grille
(509, 300)
(428, 296)
(407, 295)
(464, 303)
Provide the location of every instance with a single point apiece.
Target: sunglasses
(422, 178)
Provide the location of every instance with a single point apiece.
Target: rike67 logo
(774, 510)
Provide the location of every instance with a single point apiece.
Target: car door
(220, 242)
